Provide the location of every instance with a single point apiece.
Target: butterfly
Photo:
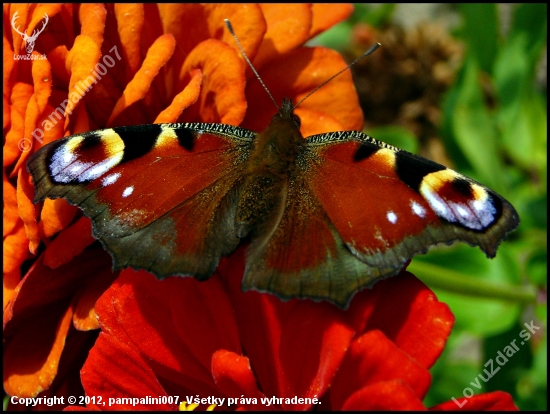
(322, 217)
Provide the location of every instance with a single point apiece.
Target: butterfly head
(286, 112)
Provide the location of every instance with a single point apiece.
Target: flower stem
(455, 282)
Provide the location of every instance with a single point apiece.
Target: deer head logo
(29, 40)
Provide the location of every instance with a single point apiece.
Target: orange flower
(95, 66)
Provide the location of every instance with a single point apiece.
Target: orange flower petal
(6, 112)
(16, 248)
(11, 212)
(50, 126)
(326, 15)
(56, 215)
(222, 96)
(58, 59)
(180, 20)
(20, 96)
(31, 358)
(130, 19)
(84, 317)
(93, 17)
(182, 100)
(10, 282)
(82, 58)
(294, 75)
(51, 9)
(177, 19)
(82, 122)
(42, 82)
(9, 63)
(156, 58)
(20, 24)
(27, 212)
(287, 28)
(69, 243)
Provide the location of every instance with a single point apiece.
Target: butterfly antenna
(230, 28)
(368, 52)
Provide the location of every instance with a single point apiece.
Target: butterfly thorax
(268, 170)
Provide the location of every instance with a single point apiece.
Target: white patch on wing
(437, 204)
(418, 209)
(110, 179)
(127, 191)
(392, 217)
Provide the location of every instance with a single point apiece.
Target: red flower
(200, 341)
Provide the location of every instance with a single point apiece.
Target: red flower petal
(390, 395)
(373, 358)
(69, 243)
(233, 375)
(115, 368)
(31, 357)
(492, 401)
(314, 341)
(410, 315)
(259, 319)
(177, 324)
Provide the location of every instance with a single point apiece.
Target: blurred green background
(466, 85)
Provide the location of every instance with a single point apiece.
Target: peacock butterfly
(323, 216)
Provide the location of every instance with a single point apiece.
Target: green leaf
(474, 129)
(530, 20)
(485, 296)
(397, 136)
(337, 37)
(481, 32)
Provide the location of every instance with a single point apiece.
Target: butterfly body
(322, 216)
(268, 170)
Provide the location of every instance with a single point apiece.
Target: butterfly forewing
(388, 204)
(160, 196)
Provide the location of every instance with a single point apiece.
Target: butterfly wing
(161, 197)
(359, 209)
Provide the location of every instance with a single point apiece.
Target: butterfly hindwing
(161, 197)
(302, 254)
